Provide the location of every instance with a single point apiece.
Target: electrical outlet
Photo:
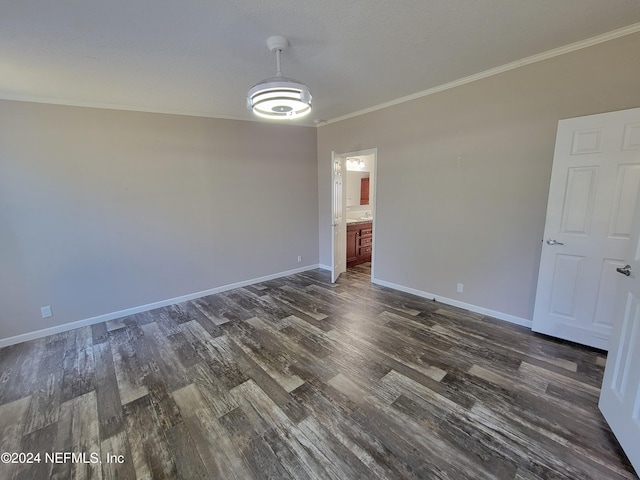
(460, 288)
(46, 312)
(299, 258)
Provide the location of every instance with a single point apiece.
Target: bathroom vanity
(359, 242)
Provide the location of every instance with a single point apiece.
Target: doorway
(354, 199)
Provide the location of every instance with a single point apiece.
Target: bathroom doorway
(359, 214)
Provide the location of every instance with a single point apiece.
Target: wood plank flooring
(296, 378)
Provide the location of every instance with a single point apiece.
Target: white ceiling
(199, 57)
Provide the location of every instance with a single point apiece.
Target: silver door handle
(552, 241)
(626, 270)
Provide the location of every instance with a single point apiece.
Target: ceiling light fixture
(279, 97)
(355, 163)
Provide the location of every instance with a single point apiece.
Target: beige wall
(463, 175)
(104, 210)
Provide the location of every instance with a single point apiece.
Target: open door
(594, 181)
(620, 394)
(338, 222)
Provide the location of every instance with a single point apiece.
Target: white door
(338, 222)
(620, 394)
(594, 181)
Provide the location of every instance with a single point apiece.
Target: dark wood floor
(297, 378)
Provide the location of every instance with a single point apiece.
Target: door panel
(631, 139)
(586, 141)
(629, 351)
(594, 183)
(626, 192)
(606, 309)
(577, 211)
(566, 276)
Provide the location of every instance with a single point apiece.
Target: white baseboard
(449, 301)
(25, 337)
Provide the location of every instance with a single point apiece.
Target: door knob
(552, 241)
(626, 270)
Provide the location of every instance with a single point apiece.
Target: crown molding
(605, 37)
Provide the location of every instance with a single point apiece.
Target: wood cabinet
(359, 243)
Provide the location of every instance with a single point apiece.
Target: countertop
(356, 221)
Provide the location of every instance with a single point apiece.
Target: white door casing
(594, 182)
(338, 221)
(620, 394)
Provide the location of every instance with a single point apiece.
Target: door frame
(337, 268)
(373, 189)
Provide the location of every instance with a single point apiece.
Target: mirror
(364, 190)
(358, 189)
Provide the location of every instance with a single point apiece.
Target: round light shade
(279, 97)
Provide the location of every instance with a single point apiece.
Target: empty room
(320, 239)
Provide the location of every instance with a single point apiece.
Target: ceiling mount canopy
(279, 97)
